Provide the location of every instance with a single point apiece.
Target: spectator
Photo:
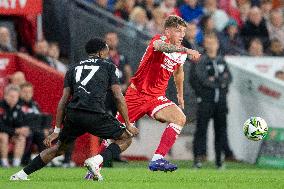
(255, 48)
(254, 27)
(138, 18)
(148, 5)
(123, 68)
(230, 41)
(102, 3)
(279, 75)
(155, 25)
(219, 16)
(212, 82)
(276, 26)
(244, 10)
(206, 27)
(18, 78)
(5, 40)
(123, 8)
(41, 53)
(12, 124)
(34, 119)
(276, 48)
(169, 8)
(266, 7)
(190, 37)
(190, 11)
(54, 52)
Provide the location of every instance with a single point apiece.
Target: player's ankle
(156, 157)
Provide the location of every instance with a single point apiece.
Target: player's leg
(4, 140)
(67, 136)
(176, 119)
(107, 127)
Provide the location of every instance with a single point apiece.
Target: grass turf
(136, 175)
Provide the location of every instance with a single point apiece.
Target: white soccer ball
(255, 128)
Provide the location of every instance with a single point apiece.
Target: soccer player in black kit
(87, 83)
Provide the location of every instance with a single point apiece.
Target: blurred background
(39, 39)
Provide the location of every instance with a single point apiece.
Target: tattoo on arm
(160, 45)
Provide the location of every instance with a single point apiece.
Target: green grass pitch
(136, 175)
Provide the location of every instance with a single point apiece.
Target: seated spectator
(12, 125)
(41, 52)
(53, 53)
(254, 27)
(102, 3)
(138, 19)
(276, 48)
(230, 41)
(218, 15)
(276, 26)
(190, 11)
(5, 40)
(190, 37)
(244, 10)
(34, 118)
(279, 75)
(169, 8)
(149, 6)
(232, 10)
(155, 25)
(266, 8)
(123, 8)
(18, 78)
(255, 47)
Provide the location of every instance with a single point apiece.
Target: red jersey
(156, 68)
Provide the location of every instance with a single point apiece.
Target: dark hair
(204, 21)
(95, 45)
(174, 21)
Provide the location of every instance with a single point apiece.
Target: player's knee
(181, 120)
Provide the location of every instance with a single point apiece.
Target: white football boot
(94, 168)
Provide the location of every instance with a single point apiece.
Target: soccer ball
(255, 128)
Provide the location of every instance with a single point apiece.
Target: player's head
(175, 28)
(97, 47)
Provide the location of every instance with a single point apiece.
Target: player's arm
(160, 45)
(59, 116)
(179, 78)
(122, 108)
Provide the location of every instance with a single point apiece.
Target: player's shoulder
(160, 37)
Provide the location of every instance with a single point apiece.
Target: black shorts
(79, 122)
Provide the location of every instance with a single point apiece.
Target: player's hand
(48, 140)
(132, 129)
(180, 102)
(193, 55)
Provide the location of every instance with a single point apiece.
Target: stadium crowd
(242, 27)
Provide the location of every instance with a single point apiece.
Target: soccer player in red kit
(163, 58)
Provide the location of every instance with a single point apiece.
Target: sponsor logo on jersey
(177, 57)
(168, 64)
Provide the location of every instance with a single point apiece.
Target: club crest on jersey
(163, 38)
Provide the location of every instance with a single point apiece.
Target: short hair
(174, 21)
(11, 87)
(95, 45)
(26, 84)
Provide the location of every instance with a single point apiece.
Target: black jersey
(89, 81)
